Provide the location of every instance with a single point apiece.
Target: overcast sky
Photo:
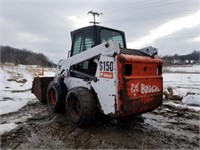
(172, 26)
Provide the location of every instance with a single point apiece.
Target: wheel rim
(52, 95)
(74, 107)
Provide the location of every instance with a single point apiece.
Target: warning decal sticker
(108, 75)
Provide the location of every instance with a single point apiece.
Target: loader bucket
(39, 88)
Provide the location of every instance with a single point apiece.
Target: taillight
(159, 70)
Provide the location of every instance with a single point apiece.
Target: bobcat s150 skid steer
(101, 74)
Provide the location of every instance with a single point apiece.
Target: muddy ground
(164, 128)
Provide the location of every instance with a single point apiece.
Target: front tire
(80, 106)
(55, 97)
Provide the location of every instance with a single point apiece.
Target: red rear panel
(140, 85)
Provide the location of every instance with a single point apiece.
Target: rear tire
(55, 97)
(80, 106)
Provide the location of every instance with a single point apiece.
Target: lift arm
(109, 48)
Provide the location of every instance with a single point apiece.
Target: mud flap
(39, 88)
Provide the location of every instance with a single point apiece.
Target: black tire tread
(60, 97)
(89, 107)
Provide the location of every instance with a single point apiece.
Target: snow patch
(192, 100)
(7, 127)
(12, 105)
(182, 83)
(13, 94)
(180, 106)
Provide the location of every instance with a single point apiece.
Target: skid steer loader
(102, 75)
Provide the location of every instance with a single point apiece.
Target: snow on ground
(182, 83)
(180, 106)
(183, 69)
(185, 82)
(49, 72)
(12, 105)
(7, 127)
(192, 100)
(16, 83)
(15, 89)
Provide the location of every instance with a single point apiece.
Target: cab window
(115, 36)
(82, 42)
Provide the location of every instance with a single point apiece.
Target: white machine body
(106, 73)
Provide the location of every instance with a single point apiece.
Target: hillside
(23, 56)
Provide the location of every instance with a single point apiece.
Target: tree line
(23, 56)
(191, 57)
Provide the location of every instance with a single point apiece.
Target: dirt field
(164, 128)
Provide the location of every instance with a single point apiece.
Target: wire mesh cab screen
(82, 42)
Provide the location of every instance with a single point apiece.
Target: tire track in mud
(165, 127)
(44, 130)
